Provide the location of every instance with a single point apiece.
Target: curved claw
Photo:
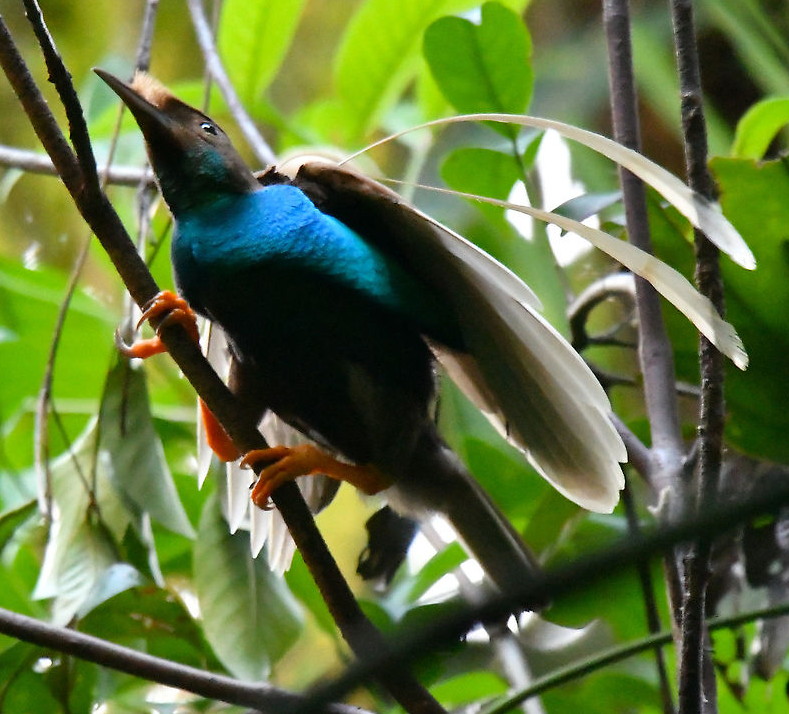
(283, 464)
(171, 308)
(140, 349)
(174, 308)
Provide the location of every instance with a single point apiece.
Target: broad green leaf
(114, 579)
(442, 563)
(80, 548)
(249, 616)
(753, 196)
(589, 204)
(483, 171)
(12, 520)
(135, 454)
(82, 559)
(254, 36)
(468, 688)
(759, 126)
(22, 686)
(482, 67)
(379, 55)
(152, 620)
(29, 303)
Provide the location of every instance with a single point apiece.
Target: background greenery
(139, 555)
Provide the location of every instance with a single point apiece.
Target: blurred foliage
(135, 553)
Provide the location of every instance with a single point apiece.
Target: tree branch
(37, 163)
(656, 356)
(99, 214)
(697, 691)
(262, 697)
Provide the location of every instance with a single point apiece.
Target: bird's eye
(208, 128)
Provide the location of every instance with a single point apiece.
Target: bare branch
(262, 697)
(657, 360)
(363, 638)
(697, 690)
(37, 163)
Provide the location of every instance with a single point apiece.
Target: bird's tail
(438, 481)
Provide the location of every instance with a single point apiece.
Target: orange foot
(287, 463)
(216, 436)
(174, 309)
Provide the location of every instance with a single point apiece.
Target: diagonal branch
(100, 216)
(262, 697)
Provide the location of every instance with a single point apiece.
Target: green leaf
(753, 197)
(80, 548)
(468, 688)
(114, 579)
(249, 616)
(77, 565)
(484, 67)
(254, 36)
(482, 171)
(29, 303)
(12, 520)
(379, 55)
(22, 687)
(152, 620)
(589, 204)
(442, 563)
(138, 468)
(759, 126)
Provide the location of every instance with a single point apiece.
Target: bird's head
(192, 157)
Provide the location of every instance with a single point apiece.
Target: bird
(338, 300)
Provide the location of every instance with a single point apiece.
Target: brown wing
(517, 368)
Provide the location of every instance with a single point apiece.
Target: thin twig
(205, 39)
(146, 35)
(34, 162)
(262, 697)
(99, 214)
(572, 672)
(697, 691)
(657, 360)
(650, 604)
(61, 79)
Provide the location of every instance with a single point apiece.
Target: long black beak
(152, 120)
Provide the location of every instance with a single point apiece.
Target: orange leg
(221, 444)
(307, 460)
(174, 309)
